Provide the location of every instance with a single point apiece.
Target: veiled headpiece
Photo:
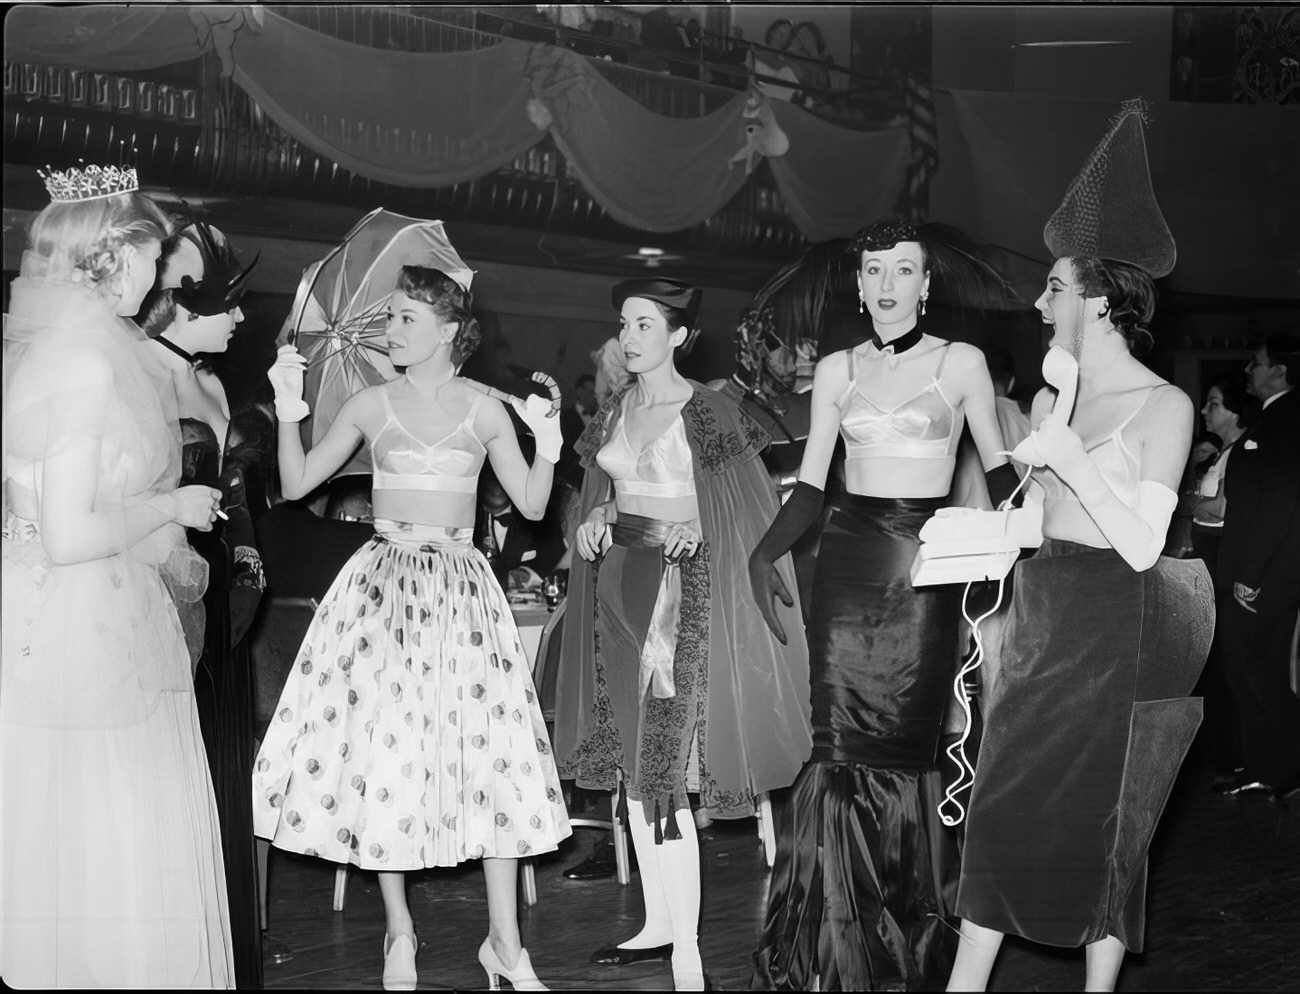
(1110, 210)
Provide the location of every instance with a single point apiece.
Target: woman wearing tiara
(860, 884)
(408, 734)
(110, 855)
(1106, 637)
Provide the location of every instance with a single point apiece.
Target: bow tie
(898, 345)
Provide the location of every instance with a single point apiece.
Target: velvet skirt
(650, 740)
(1083, 742)
(857, 896)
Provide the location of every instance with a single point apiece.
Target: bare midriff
(424, 507)
(899, 476)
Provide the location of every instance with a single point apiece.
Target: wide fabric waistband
(409, 533)
(636, 532)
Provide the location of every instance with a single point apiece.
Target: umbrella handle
(546, 380)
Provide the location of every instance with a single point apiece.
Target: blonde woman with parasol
(409, 734)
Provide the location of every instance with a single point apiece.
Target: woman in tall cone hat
(1106, 637)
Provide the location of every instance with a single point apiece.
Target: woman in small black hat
(671, 675)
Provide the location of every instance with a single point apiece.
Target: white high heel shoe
(399, 963)
(522, 977)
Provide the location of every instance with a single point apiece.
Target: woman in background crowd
(110, 852)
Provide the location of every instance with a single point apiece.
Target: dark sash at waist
(636, 532)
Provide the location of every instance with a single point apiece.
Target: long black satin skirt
(857, 899)
(1083, 743)
(223, 697)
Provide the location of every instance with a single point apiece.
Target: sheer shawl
(74, 372)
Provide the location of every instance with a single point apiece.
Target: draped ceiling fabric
(1223, 174)
(428, 120)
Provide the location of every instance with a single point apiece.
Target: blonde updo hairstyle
(84, 241)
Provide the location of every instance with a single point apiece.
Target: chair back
(548, 661)
(274, 642)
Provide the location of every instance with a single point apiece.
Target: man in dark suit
(515, 541)
(1259, 561)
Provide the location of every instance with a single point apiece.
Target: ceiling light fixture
(1066, 44)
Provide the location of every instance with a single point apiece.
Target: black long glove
(1002, 482)
(802, 508)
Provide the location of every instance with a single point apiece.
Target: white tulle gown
(110, 856)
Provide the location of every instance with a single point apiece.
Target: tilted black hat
(673, 293)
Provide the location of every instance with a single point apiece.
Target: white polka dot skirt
(408, 734)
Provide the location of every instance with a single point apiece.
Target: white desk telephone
(962, 544)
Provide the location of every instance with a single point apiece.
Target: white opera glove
(286, 376)
(541, 415)
(1053, 443)
(1138, 532)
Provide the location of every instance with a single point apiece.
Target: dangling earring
(924, 298)
(862, 303)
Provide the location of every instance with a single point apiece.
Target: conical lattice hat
(1110, 210)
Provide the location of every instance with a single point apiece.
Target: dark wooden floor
(1223, 913)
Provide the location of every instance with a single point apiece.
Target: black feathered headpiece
(203, 273)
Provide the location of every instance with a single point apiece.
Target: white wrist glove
(286, 376)
(541, 415)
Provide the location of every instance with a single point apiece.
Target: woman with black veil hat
(857, 897)
(1106, 637)
(670, 674)
(191, 313)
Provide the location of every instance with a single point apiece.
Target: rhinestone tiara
(67, 186)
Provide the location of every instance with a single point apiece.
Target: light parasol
(338, 315)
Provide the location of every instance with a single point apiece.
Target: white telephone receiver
(1060, 370)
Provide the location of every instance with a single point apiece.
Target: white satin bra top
(403, 462)
(661, 470)
(1113, 459)
(924, 427)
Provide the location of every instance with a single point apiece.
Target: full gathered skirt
(858, 893)
(1083, 742)
(110, 855)
(408, 734)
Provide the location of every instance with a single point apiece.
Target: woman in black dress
(856, 900)
(191, 313)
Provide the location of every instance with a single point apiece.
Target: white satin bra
(404, 462)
